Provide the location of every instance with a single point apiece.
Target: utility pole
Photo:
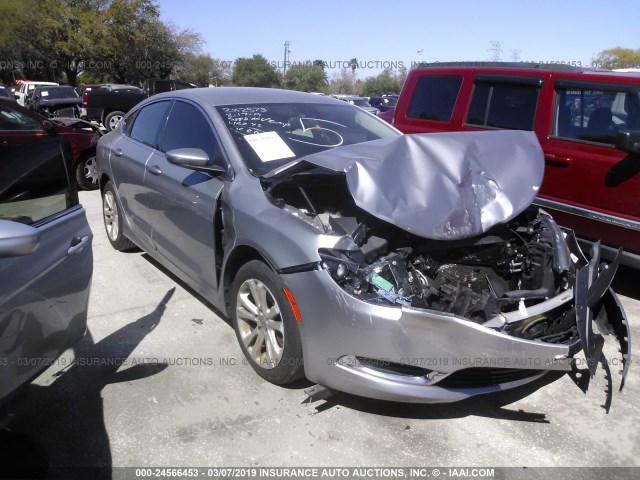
(286, 57)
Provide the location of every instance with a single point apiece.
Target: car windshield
(271, 135)
(390, 101)
(55, 93)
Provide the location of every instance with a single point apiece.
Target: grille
(66, 112)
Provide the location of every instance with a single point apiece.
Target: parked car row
(587, 122)
(374, 105)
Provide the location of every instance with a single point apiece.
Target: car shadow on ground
(223, 315)
(60, 428)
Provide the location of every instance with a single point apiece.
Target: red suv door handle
(557, 160)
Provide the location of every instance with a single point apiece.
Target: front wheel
(112, 120)
(87, 171)
(113, 219)
(265, 324)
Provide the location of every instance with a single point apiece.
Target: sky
(384, 34)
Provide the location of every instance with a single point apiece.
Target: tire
(87, 171)
(111, 121)
(113, 220)
(277, 356)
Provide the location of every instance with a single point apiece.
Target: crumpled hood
(442, 186)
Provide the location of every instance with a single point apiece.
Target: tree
(198, 69)
(617, 58)
(163, 50)
(343, 82)
(62, 39)
(307, 77)
(386, 82)
(255, 72)
(51, 38)
(222, 72)
(353, 64)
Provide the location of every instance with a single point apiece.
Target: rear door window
(434, 98)
(508, 103)
(595, 113)
(149, 122)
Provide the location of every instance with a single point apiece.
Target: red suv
(587, 121)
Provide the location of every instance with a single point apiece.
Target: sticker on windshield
(269, 146)
(45, 93)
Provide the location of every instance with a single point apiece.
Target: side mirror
(194, 159)
(47, 125)
(628, 141)
(17, 239)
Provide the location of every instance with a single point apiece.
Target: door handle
(77, 248)
(117, 152)
(154, 169)
(557, 160)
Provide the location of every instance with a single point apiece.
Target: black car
(55, 101)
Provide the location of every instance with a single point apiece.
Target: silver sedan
(400, 267)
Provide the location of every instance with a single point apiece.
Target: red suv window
(434, 98)
(595, 114)
(500, 103)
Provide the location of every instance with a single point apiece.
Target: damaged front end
(520, 275)
(519, 279)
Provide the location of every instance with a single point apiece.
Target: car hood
(441, 186)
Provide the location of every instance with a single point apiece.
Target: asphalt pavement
(159, 380)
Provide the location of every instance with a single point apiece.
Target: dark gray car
(399, 267)
(46, 261)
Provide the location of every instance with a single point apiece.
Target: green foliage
(203, 70)
(46, 39)
(618, 57)
(198, 69)
(124, 40)
(307, 77)
(255, 72)
(386, 82)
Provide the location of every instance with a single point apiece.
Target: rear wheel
(87, 171)
(113, 220)
(265, 324)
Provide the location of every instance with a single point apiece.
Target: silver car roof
(217, 96)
